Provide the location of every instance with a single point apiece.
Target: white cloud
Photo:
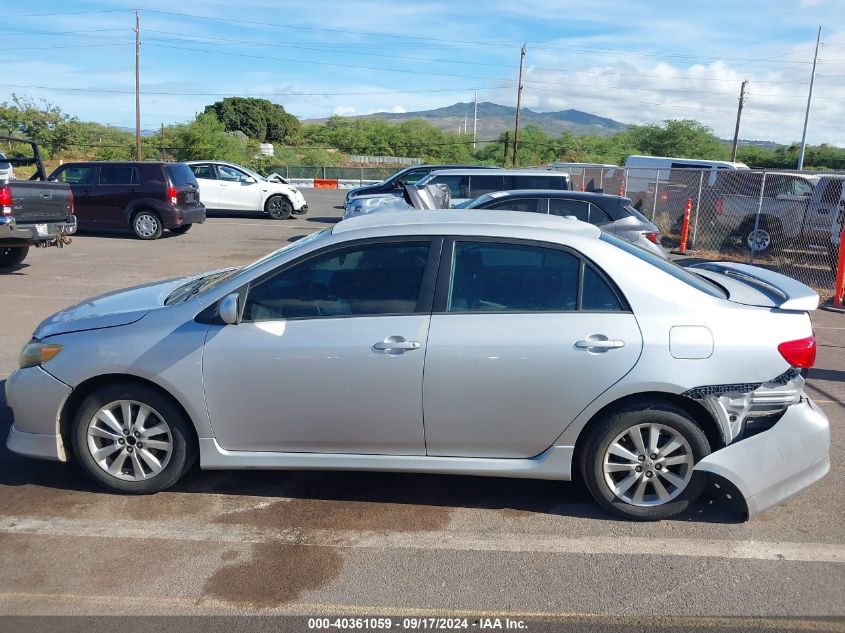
(344, 110)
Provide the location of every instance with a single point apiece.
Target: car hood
(112, 309)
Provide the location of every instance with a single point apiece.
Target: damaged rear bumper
(773, 465)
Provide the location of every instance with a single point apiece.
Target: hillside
(493, 119)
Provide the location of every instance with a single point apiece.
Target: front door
(329, 355)
(516, 350)
(237, 190)
(82, 180)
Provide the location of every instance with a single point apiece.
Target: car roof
(118, 162)
(507, 172)
(445, 222)
(556, 193)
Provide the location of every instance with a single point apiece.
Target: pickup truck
(794, 209)
(33, 212)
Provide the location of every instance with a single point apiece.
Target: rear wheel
(131, 438)
(146, 225)
(638, 462)
(12, 255)
(765, 238)
(278, 207)
(180, 230)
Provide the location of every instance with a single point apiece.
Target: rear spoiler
(783, 292)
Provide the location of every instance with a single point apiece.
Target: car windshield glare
(678, 272)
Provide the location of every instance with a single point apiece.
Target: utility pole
(137, 85)
(505, 153)
(518, 106)
(475, 122)
(162, 141)
(466, 116)
(738, 117)
(809, 99)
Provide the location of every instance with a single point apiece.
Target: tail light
(664, 196)
(171, 195)
(6, 200)
(72, 203)
(800, 353)
(720, 205)
(653, 237)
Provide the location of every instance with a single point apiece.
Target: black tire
(181, 230)
(278, 207)
(181, 438)
(146, 225)
(11, 256)
(607, 430)
(768, 235)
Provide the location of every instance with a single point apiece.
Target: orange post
(685, 228)
(839, 286)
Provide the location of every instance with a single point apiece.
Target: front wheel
(131, 438)
(181, 230)
(766, 238)
(278, 207)
(146, 225)
(638, 462)
(12, 255)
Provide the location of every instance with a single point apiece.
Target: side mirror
(247, 180)
(229, 309)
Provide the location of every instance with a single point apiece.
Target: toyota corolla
(496, 343)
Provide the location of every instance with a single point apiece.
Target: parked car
(585, 353)
(837, 225)
(7, 171)
(395, 184)
(613, 214)
(464, 185)
(229, 187)
(32, 212)
(144, 197)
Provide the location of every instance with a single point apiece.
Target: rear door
(117, 186)
(524, 335)
(206, 176)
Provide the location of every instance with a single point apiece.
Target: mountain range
(493, 119)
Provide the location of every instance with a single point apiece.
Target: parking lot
(392, 544)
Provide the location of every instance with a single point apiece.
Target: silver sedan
(502, 343)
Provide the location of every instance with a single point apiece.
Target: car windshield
(678, 272)
(254, 174)
(211, 280)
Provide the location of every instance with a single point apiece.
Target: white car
(7, 172)
(228, 187)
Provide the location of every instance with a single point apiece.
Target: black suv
(145, 197)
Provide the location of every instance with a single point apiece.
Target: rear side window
(596, 294)
(180, 174)
(832, 191)
(118, 175)
(578, 208)
(516, 204)
(536, 182)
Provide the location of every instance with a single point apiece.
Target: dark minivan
(145, 197)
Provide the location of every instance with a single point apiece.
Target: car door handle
(396, 344)
(47, 196)
(599, 344)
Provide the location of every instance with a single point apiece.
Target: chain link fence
(362, 174)
(787, 221)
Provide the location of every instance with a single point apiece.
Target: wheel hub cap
(648, 464)
(129, 440)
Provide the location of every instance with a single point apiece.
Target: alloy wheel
(648, 464)
(759, 240)
(129, 440)
(146, 224)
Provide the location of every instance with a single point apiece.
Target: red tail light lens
(70, 191)
(800, 353)
(653, 237)
(171, 195)
(664, 196)
(720, 205)
(6, 200)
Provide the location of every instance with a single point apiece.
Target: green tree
(259, 119)
(42, 121)
(682, 138)
(207, 138)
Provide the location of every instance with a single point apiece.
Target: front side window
(413, 177)
(118, 175)
(229, 173)
(75, 175)
(456, 184)
(368, 279)
(497, 277)
(480, 185)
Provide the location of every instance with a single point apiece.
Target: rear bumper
(36, 398)
(33, 232)
(185, 215)
(774, 465)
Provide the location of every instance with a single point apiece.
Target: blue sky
(632, 61)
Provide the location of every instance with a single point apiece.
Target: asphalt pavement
(399, 545)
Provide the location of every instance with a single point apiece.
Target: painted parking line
(448, 540)
(277, 226)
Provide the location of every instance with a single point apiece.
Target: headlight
(36, 353)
